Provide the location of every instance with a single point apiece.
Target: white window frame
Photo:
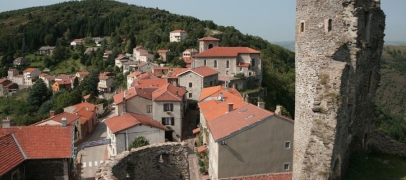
(284, 166)
(289, 144)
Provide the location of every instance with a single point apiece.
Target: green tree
(76, 83)
(90, 82)
(139, 142)
(37, 95)
(62, 101)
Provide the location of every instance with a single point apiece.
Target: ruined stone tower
(338, 51)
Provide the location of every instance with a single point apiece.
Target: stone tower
(208, 43)
(338, 50)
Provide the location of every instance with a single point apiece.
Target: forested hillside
(391, 97)
(23, 31)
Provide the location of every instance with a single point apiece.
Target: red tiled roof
(30, 69)
(201, 149)
(44, 74)
(86, 97)
(83, 73)
(227, 52)
(178, 31)
(203, 71)
(168, 92)
(43, 142)
(3, 80)
(160, 68)
(216, 90)
(209, 38)
(78, 40)
(236, 120)
(84, 105)
(192, 50)
(150, 83)
(213, 112)
(62, 76)
(128, 120)
(197, 130)
(174, 72)
(243, 64)
(70, 118)
(64, 82)
(130, 93)
(273, 176)
(188, 60)
(134, 74)
(10, 154)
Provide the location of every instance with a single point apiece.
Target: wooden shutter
(164, 107)
(163, 121)
(171, 107)
(172, 121)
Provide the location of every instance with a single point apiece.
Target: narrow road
(93, 156)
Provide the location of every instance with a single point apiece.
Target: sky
(273, 20)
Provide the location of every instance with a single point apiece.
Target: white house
(189, 52)
(177, 35)
(30, 74)
(124, 129)
(76, 42)
(121, 58)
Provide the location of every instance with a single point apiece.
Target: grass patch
(66, 66)
(376, 166)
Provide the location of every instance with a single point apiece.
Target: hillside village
(157, 104)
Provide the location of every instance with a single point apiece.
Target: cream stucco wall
(177, 114)
(213, 158)
(136, 104)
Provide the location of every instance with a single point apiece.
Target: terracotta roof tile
(168, 92)
(43, 142)
(10, 154)
(197, 130)
(130, 93)
(134, 74)
(209, 38)
(236, 120)
(86, 97)
(216, 90)
(201, 149)
(227, 52)
(213, 112)
(64, 82)
(243, 64)
(128, 120)
(150, 83)
(163, 51)
(70, 118)
(202, 71)
(273, 176)
(174, 72)
(188, 60)
(30, 69)
(83, 73)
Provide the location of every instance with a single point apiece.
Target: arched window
(215, 63)
(228, 64)
(204, 62)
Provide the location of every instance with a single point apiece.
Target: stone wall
(53, 169)
(144, 163)
(383, 143)
(338, 49)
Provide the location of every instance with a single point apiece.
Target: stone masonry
(338, 49)
(156, 161)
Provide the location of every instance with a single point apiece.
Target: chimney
(51, 113)
(6, 123)
(278, 110)
(230, 107)
(87, 108)
(63, 122)
(220, 97)
(261, 105)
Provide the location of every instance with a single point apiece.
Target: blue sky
(273, 20)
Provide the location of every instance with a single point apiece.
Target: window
(227, 72)
(204, 62)
(211, 83)
(240, 68)
(302, 26)
(190, 84)
(329, 25)
(168, 107)
(287, 145)
(190, 95)
(215, 63)
(168, 121)
(286, 166)
(253, 62)
(149, 108)
(228, 64)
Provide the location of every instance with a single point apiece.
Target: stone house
(46, 50)
(129, 66)
(7, 87)
(62, 84)
(169, 105)
(121, 58)
(134, 100)
(77, 42)
(30, 74)
(124, 129)
(189, 52)
(177, 35)
(22, 159)
(195, 79)
(231, 61)
(64, 117)
(12, 75)
(163, 54)
(105, 83)
(208, 43)
(172, 75)
(145, 66)
(81, 75)
(248, 140)
(20, 61)
(88, 116)
(48, 79)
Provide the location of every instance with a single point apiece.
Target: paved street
(93, 156)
